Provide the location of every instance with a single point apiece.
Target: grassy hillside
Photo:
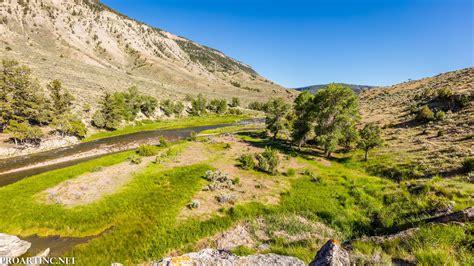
(438, 146)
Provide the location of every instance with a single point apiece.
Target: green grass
(167, 124)
(143, 214)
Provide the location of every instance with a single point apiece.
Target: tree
(21, 97)
(112, 112)
(218, 106)
(302, 123)
(370, 137)
(278, 116)
(22, 132)
(235, 102)
(61, 98)
(335, 109)
(148, 105)
(69, 125)
(198, 105)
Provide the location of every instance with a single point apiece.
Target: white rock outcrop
(12, 246)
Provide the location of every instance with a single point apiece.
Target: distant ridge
(356, 88)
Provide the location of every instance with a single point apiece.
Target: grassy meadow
(143, 225)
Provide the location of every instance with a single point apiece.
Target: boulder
(224, 258)
(331, 254)
(12, 246)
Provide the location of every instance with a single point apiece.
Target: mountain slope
(356, 88)
(439, 145)
(92, 48)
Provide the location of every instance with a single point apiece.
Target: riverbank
(293, 212)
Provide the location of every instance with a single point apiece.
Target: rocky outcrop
(466, 215)
(12, 246)
(331, 254)
(220, 257)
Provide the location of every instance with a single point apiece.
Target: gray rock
(331, 254)
(225, 258)
(42, 254)
(12, 246)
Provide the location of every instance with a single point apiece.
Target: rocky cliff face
(93, 48)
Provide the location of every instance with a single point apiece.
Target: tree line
(328, 118)
(26, 107)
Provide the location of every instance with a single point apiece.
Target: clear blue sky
(302, 42)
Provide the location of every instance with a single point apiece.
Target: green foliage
(172, 108)
(148, 105)
(135, 159)
(146, 150)
(335, 110)
(163, 142)
(22, 132)
(444, 93)
(258, 106)
(218, 106)
(370, 137)
(61, 98)
(302, 124)
(468, 165)
(21, 96)
(192, 136)
(278, 116)
(68, 124)
(198, 105)
(235, 102)
(119, 106)
(268, 161)
(440, 115)
(425, 114)
(290, 172)
(234, 111)
(247, 161)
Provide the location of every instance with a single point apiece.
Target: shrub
(198, 105)
(258, 106)
(135, 159)
(194, 204)
(236, 180)
(170, 108)
(468, 165)
(147, 150)
(268, 161)
(218, 106)
(290, 172)
(247, 161)
(235, 102)
(163, 142)
(425, 114)
(444, 93)
(227, 146)
(234, 111)
(440, 115)
(192, 136)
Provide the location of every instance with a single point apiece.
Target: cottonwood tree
(370, 137)
(278, 116)
(302, 121)
(335, 110)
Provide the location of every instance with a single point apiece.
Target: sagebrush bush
(440, 115)
(147, 150)
(425, 114)
(268, 161)
(135, 159)
(247, 161)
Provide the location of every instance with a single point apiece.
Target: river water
(60, 245)
(16, 168)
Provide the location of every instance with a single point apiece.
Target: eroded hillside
(92, 48)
